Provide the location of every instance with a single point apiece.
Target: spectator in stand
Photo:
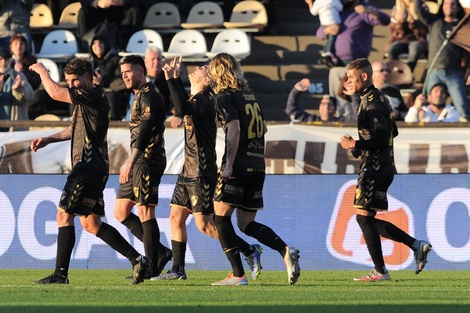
(432, 108)
(326, 109)
(448, 66)
(353, 41)
(23, 59)
(105, 61)
(15, 91)
(14, 19)
(126, 15)
(380, 75)
(407, 34)
(328, 13)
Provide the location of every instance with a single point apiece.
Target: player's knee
(120, 215)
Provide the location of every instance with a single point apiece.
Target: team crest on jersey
(194, 200)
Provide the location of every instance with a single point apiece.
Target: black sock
(114, 239)
(390, 231)
(133, 223)
(151, 237)
(266, 236)
(65, 244)
(245, 248)
(372, 238)
(229, 242)
(179, 251)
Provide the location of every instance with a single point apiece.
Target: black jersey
(200, 130)
(243, 106)
(148, 106)
(375, 114)
(89, 129)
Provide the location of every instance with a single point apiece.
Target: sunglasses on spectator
(384, 70)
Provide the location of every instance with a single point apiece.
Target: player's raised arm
(54, 90)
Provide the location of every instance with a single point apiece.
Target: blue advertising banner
(311, 212)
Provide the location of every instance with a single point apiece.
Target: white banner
(290, 149)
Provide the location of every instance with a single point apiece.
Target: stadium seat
(233, 41)
(41, 16)
(204, 14)
(59, 45)
(141, 40)
(248, 14)
(189, 43)
(162, 15)
(51, 67)
(45, 118)
(69, 16)
(401, 75)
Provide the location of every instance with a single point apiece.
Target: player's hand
(177, 66)
(347, 142)
(175, 121)
(168, 70)
(126, 171)
(38, 68)
(227, 174)
(38, 143)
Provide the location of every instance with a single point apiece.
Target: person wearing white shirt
(435, 109)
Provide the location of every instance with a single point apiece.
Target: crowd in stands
(418, 30)
(347, 26)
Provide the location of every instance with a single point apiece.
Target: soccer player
(241, 179)
(141, 173)
(377, 129)
(195, 186)
(83, 193)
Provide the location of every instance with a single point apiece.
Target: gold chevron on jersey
(146, 88)
(370, 97)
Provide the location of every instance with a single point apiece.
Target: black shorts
(371, 192)
(195, 194)
(83, 193)
(142, 188)
(245, 191)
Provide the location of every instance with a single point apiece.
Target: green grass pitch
(316, 291)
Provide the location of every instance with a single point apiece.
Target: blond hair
(226, 73)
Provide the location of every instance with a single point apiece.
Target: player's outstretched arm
(54, 90)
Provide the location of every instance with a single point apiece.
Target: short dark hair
(78, 66)
(134, 60)
(442, 85)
